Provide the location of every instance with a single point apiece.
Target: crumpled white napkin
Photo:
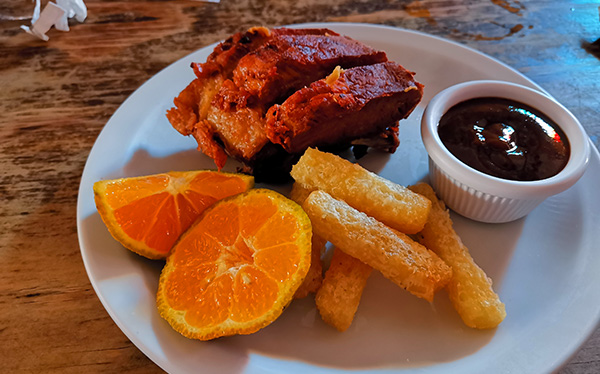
(55, 14)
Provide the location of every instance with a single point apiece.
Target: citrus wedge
(237, 267)
(147, 214)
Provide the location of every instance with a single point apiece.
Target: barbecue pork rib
(360, 102)
(246, 76)
(289, 62)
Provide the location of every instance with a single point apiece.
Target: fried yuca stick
(338, 298)
(400, 259)
(314, 277)
(338, 294)
(390, 203)
(470, 289)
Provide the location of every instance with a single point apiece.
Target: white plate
(545, 266)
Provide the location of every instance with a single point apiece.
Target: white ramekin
(485, 198)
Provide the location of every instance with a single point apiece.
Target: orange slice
(147, 214)
(238, 266)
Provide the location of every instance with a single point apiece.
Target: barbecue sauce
(505, 139)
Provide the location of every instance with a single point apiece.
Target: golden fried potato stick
(400, 259)
(470, 289)
(338, 298)
(394, 205)
(314, 277)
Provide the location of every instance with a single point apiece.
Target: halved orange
(237, 267)
(147, 214)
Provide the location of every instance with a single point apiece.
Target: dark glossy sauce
(505, 139)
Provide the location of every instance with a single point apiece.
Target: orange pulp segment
(147, 214)
(237, 267)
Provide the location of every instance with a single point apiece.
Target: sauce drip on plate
(505, 139)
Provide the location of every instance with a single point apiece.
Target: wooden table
(56, 96)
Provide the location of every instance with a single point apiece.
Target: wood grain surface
(56, 96)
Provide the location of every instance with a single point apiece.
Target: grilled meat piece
(226, 55)
(289, 62)
(356, 103)
(225, 108)
(193, 103)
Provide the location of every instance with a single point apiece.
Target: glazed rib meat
(290, 62)
(253, 73)
(356, 103)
